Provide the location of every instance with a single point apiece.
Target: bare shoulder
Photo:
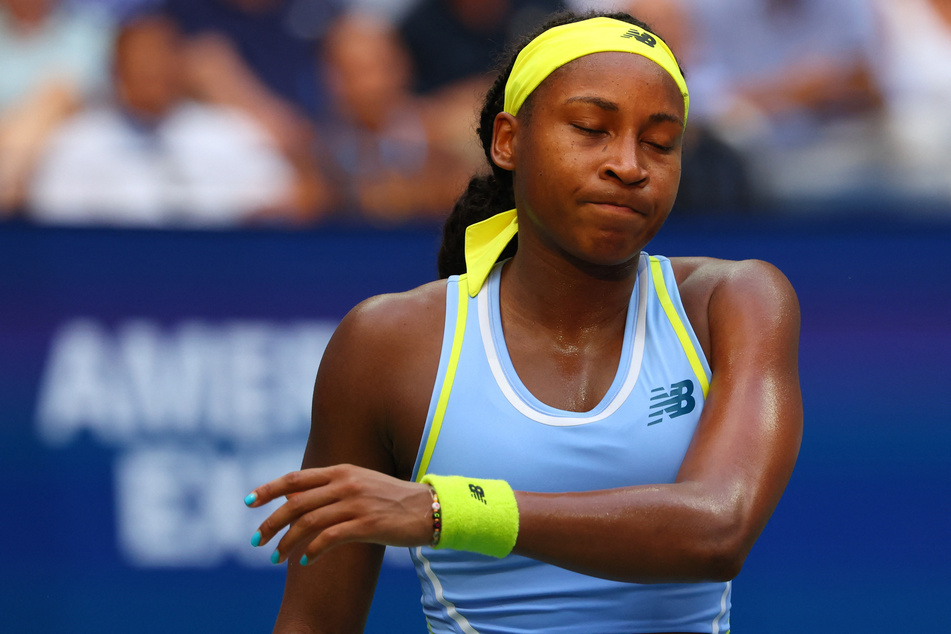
(395, 319)
(748, 277)
(752, 294)
(390, 336)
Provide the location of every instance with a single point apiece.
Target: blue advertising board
(149, 379)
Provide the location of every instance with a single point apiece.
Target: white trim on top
(716, 621)
(570, 419)
(451, 610)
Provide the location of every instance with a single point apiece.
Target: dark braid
(492, 193)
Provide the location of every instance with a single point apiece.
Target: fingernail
(276, 557)
(303, 560)
(250, 498)
(256, 539)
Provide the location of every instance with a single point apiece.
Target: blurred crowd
(217, 113)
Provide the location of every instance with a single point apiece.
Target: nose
(622, 162)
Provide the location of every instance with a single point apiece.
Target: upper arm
(370, 388)
(746, 444)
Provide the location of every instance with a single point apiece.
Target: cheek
(667, 178)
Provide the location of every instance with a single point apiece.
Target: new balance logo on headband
(677, 402)
(641, 36)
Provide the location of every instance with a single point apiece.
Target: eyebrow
(604, 104)
(607, 104)
(664, 117)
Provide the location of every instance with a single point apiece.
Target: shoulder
(722, 296)
(96, 132)
(96, 123)
(399, 319)
(204, 130)
(210, 117)
(754, 279)
(391, 335)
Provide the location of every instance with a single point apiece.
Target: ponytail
(485, 196)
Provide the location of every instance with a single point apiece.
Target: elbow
(723, 564)
(728, 542)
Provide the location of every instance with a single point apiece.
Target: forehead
(632, 81)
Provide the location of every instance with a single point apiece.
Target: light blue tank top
(484, 423)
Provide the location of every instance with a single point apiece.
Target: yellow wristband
(479, 516)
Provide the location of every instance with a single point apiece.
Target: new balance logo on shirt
(676, 402)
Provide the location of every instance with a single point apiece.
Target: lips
(620, 206)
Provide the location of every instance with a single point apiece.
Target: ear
(503, 141)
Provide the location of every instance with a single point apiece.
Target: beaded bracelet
(437, 519)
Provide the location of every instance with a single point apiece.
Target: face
(28, 11)
(148, 67)
(596, 161)
(368, 69)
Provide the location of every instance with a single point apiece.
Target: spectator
(51, 60)
(276, 39)
(258, 56)
(914, 72)
(152, 157)
(791, 82)
(454, 46)
(384, 163)
(452, 40)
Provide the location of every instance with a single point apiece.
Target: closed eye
(661, 148)
(588, 131)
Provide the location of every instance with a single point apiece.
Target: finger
(291, 511)
(289, 484)
(344, 533)
(312, 527)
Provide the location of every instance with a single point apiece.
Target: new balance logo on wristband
(677, 402)
(477, 492)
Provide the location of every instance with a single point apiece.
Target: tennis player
(571, 435)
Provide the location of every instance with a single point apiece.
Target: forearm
(331, 595)
(647, 534)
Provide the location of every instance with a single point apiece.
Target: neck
(572, 299)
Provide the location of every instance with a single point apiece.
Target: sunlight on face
(597, 160)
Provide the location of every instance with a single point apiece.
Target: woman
(622, 426)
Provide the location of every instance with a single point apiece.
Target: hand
(334, 505)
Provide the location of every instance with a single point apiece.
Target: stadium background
(123, 486)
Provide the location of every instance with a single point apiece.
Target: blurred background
(194, 192)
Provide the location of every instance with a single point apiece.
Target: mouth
(617, 207)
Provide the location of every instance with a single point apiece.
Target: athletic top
(484, 423)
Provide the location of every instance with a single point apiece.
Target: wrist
(474, 515)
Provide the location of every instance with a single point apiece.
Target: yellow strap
(658, 274)
(485, 241)
(448, 379)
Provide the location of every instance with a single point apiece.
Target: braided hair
(492, 193)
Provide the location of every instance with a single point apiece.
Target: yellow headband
(557, 46)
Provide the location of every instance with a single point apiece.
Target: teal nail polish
(256, 539)
(275, 557)
(250, 498)
(303, 560)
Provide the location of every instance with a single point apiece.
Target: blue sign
(148, 380)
